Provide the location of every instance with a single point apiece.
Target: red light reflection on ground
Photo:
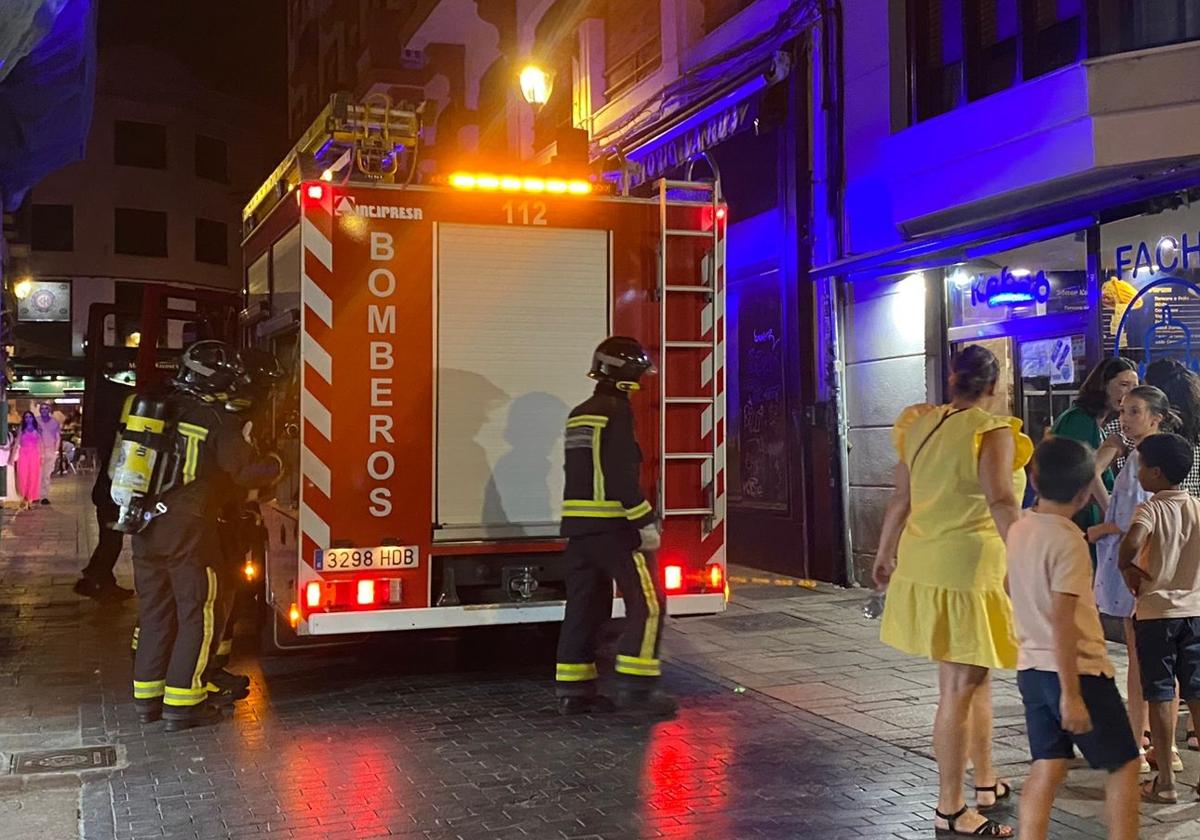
(336, 782)
(684, 783)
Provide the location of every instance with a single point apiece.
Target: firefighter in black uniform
(175, 555)
(610, 529)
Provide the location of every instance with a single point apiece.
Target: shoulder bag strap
(929, 436)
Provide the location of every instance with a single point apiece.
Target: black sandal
(995, 791)
(988, 828)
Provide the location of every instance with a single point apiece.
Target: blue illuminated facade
(1029, 210)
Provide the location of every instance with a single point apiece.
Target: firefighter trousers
(593, 563)
(177, 591)
(228, 568)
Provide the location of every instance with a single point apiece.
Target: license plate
(363, 559)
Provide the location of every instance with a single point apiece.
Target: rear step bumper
(382, 621)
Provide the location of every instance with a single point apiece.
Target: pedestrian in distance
(51, 432)
(941, 556)
(1090, 420)
(110, 409)
(29, 461)
(1063, 671)
(1160, 560)
(611, 532)
(1144, 411)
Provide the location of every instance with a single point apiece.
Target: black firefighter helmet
(620, 361)
(258, 373)
(208, 369)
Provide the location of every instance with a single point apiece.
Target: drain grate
(62, 761)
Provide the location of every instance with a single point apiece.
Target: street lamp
(23, 288)
(536, 85)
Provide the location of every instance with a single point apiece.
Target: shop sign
(1168, 254)
(1009, 288)
(695, 139)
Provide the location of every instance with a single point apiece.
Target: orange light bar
(487, 182)
(294, 615)
(312, 594)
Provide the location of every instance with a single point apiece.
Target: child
(1064, 674)
(1144, 412)
(1160, 559)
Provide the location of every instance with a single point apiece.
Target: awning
(1022, 225)
(46, 102)
(710, 101)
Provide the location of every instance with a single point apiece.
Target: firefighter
(176, 554)
(240, 523)
(611, 530)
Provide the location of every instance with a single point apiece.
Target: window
(935, 57)
(139, 144)
(991, 29)
(212, 242)
(1053, 36)
(212, 159)
(53, 227)
(716, 12)
(964, 50)
(632, 46)
(141, 233)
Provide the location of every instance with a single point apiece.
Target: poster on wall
(762, 403)
(47, 300)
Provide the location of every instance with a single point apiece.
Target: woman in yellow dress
(941, 556)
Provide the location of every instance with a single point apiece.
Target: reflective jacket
(602, 463)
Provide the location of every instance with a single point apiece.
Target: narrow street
(795, 723)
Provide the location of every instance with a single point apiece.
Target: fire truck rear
(436, 337)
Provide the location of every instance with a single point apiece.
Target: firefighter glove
(651, 539)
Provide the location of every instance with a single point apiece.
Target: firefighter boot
(149, 711)
(227, 679)
(594, 704)
(180, 718)
(650, 701)
(225, 695)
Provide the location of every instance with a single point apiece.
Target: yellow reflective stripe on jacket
(192, 434)
(593, 509)
(637, 666)
(148, 690)
(650, 631)
(597, 420)
(597, 467)
(638, 512)
(575, 672)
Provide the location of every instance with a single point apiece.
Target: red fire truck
(436, 337)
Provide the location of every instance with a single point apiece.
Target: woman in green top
(1099, 399)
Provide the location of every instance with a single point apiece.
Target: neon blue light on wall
(1007, 289)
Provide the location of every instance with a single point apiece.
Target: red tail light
(312, 594)
(365, 592)
(315, 192)
(673, 578)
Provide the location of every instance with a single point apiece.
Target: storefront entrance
(1039, 377)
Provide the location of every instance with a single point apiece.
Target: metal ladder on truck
(671, 287)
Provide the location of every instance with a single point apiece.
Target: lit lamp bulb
(23, 288)
(536, 85)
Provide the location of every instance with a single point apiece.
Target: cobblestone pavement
(434, 738)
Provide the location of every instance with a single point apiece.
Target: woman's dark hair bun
(973, 371)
